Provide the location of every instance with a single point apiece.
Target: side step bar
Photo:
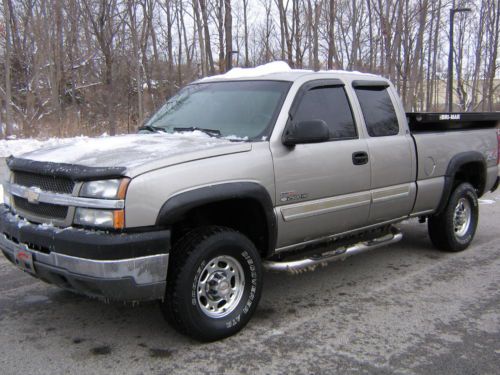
(337, 254)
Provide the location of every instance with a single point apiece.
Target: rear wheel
(454, 228)
(214, 283)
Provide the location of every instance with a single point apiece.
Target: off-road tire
(188, 259)
(443, 228)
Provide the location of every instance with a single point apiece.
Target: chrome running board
(337, 254)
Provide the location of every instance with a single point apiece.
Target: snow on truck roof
(280, 70)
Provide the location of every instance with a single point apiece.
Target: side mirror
(310, 131)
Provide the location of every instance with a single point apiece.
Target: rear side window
(331, 105)
(378, 111)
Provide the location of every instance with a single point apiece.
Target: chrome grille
(46, 183)
(48, 211)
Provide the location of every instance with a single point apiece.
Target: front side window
(244, 109)
(378, 111)
(330, 104)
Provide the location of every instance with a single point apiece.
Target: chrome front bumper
(135, 279)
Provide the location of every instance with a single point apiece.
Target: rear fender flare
(454, 165)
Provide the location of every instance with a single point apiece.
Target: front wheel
(214, 283)
(454, 228)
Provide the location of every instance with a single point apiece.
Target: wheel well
(473, 173)
(243, 215)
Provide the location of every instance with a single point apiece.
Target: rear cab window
(330, 104)
(377, 107)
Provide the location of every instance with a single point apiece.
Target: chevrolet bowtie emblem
(32, 196)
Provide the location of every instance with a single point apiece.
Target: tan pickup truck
(233, 175)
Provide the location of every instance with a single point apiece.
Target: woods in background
(92, 66)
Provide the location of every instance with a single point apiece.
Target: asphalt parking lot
(406, 308)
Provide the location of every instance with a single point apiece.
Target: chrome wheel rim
(462, 217)
(220, 286)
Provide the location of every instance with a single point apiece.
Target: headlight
(105, 189)
(100, 218)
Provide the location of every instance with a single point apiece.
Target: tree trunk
(245, 25)
(493, 59)
(8, 53)
(208, 45)
(201, 42)
(220, 32)
(132, 15)
(228, 27)
(478, 58)
(435, 55)
(297, 34)
(418, 56)
(331, 34)
(285, 34)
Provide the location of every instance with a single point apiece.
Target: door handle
(359, 158)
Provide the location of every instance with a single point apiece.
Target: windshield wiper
(210, 132)
(153, 129)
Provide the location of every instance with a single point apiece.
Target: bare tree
(133, 25)
(7, 5)
(104, 21)
(245, 25)
(208, 45)
(228, 28)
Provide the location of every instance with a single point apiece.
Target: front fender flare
(178, 205)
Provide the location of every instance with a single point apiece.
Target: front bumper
(114, 266)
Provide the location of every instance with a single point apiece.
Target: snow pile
(486, 201)
(347, 72)
(262, 70)
(17, 147)
(273, 68)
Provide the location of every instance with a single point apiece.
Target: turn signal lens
(122, 189)
(119, 219)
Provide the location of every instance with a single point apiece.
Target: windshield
(230, 109)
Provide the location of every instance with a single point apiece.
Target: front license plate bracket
(24, 260)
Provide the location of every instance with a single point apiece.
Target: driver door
(322, 188)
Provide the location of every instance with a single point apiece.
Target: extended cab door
(321, 188)
(391, 149)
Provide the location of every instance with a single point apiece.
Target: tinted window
(378, 111)
(329, 104)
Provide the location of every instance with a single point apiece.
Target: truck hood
(137, 153)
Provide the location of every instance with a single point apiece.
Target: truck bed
(436, 121)
(435, 151)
